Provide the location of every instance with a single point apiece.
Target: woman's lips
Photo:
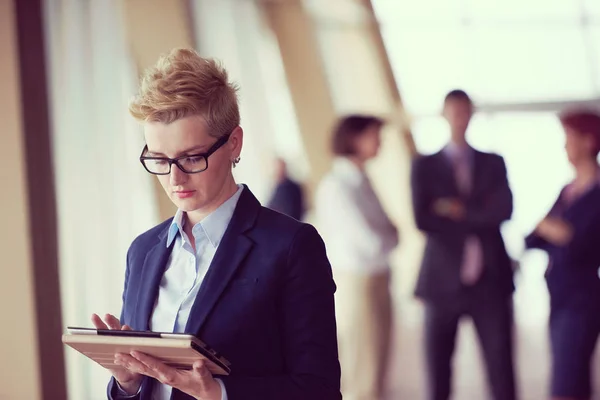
(184, 194)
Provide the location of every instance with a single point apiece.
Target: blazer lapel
(478, 172)
(232, 251)
(446, 169)
(154, 267)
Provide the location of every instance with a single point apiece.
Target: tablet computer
(178, 350)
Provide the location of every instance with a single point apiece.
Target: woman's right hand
(129, 381)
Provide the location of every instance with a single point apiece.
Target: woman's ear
(236, 141)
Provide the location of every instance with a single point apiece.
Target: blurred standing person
(359, 237)
(461, 197)
(288, 197)
(570, 234)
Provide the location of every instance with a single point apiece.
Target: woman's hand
(197, 382)
(128, 380)
(555, 230)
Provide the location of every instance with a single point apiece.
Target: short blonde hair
(182, 84)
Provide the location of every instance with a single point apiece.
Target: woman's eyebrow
(191, 150)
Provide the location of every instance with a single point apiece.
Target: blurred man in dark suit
(287, 198)
(461, 197)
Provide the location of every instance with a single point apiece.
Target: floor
(406, 379)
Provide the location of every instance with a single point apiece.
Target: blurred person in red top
(569, 234)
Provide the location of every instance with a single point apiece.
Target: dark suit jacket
(572, 275)
(487, 206)
(288, 199)
(266, 304)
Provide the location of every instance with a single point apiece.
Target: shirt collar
(176, 226)
(454, 151)
(213, 225)
(348, 170)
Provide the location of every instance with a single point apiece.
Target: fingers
(131, 364)
(201, 370)
(112, 321)
(204, 380)
(98, 323)
(157, 369)
(199, 381)
(109, 322)
(125, 374)
(126, 328)
(151, 362)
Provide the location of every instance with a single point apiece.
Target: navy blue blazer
(487, 206)
(266, 304)
(572, 274)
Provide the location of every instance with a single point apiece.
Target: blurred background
(75, 196)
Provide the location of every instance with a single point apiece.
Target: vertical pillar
(30, 344)
(306, 79)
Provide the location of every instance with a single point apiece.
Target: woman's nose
(177, 176)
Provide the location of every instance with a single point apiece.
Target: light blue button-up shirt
(185, 272)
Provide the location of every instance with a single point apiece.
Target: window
(506, 54)
(509, 52)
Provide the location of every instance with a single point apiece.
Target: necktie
(462, 172)
(472, 262)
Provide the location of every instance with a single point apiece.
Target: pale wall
(19, 375)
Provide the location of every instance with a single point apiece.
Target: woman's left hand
(197, 382)
(555, 230)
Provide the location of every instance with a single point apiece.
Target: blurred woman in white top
(359, 237)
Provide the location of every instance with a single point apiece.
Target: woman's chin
(188, 204)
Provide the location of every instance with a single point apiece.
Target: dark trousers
(492, 316)
(574, 331)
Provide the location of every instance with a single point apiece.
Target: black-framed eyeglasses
(190, 164)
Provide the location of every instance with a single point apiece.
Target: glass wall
(514, 51)
(521, 61)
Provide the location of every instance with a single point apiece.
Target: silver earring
(236, 161)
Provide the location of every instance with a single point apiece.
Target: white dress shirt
(185, 272)
(357, 232)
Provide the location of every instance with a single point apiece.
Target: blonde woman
(253, 284)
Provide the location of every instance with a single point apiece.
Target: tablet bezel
(196, 343)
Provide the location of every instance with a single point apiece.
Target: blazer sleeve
(308, 328)
(112, 391)
(535, 241)
(497, 206)
(582, 248)
(425, 219)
